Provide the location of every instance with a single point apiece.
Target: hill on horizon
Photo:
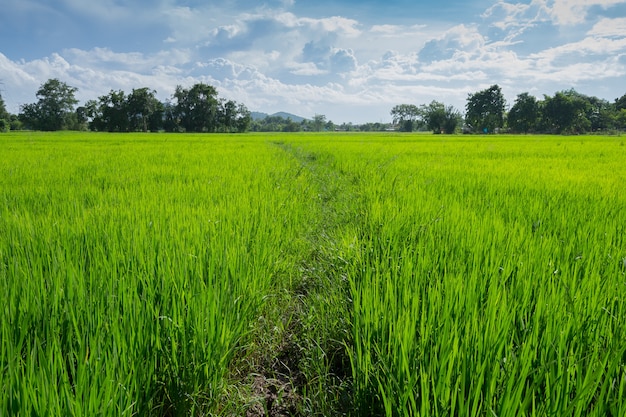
(260, 116)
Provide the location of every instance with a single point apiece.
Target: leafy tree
(54, 109)
(620, 119)
(233, 117)
(171, 123)
(196, 109)
(82, 118)
(619, 112)
(29, 116)
(94, 116)
(227, 115)
(347, 127)
(440, 118)
(566, 112)
(15, 122)
(139, 111)
(330, 126)
(374, 127)
(244, 118)
(525, 114)
(275, 124)
(145, 111)
(485, 109)
(291, 126)
(620, 103)
(407, 116)
(599, 112)
(73, 121)
(112, 113)
(4, 114)
(5, 117)
(319, 121)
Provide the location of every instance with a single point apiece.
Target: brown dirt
(274, 398)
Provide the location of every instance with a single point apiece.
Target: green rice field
(307, 274)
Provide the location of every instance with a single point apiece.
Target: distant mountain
(256, 115)
(260, 116)
(293, 117)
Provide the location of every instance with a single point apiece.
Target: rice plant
(132, 269)
(406, 275)
(486, 275)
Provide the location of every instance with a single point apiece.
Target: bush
(5, 126)
(15, 123)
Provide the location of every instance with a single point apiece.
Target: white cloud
(342, 60)
(514, 19)
(224, 69)
(335, 24)
(188, 26)
(609, 28)
(135, 61)
(272, 59)
(14, 75)
(459, 40)
(581, 50)
(569, 12)
(306, 69)
(572, 12)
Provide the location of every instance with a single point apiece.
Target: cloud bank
(278, 56)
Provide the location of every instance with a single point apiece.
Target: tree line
(277, 123)
(567, 112)
(195, 109)
(200, 109)
(7, 121)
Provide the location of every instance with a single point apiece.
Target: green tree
(4, 114)
(273, 124)
(5, 117)
(82, 118)
(485, 109)
(566, 112)
(407, 116)
(244, 118)
(374, 127)
(620, 119)
(15, 122)
(171, 122)
(93, 115)
(233, 117)
(112, 113)
(227, 115)
(524, 115)
(197, 108)
(440, 118)
(619, 112)
(319, 121)
(620, 103)
(54, 109)
(329, 126)
(291, 126)
(144, 110)
(600, 113)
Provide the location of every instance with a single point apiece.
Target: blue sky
(349, 60)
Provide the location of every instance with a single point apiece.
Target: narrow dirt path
(305, 370)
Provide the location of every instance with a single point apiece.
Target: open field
(312, 274)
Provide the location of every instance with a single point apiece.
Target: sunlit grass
(410, 274)
(131, 268)
(487, 275)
